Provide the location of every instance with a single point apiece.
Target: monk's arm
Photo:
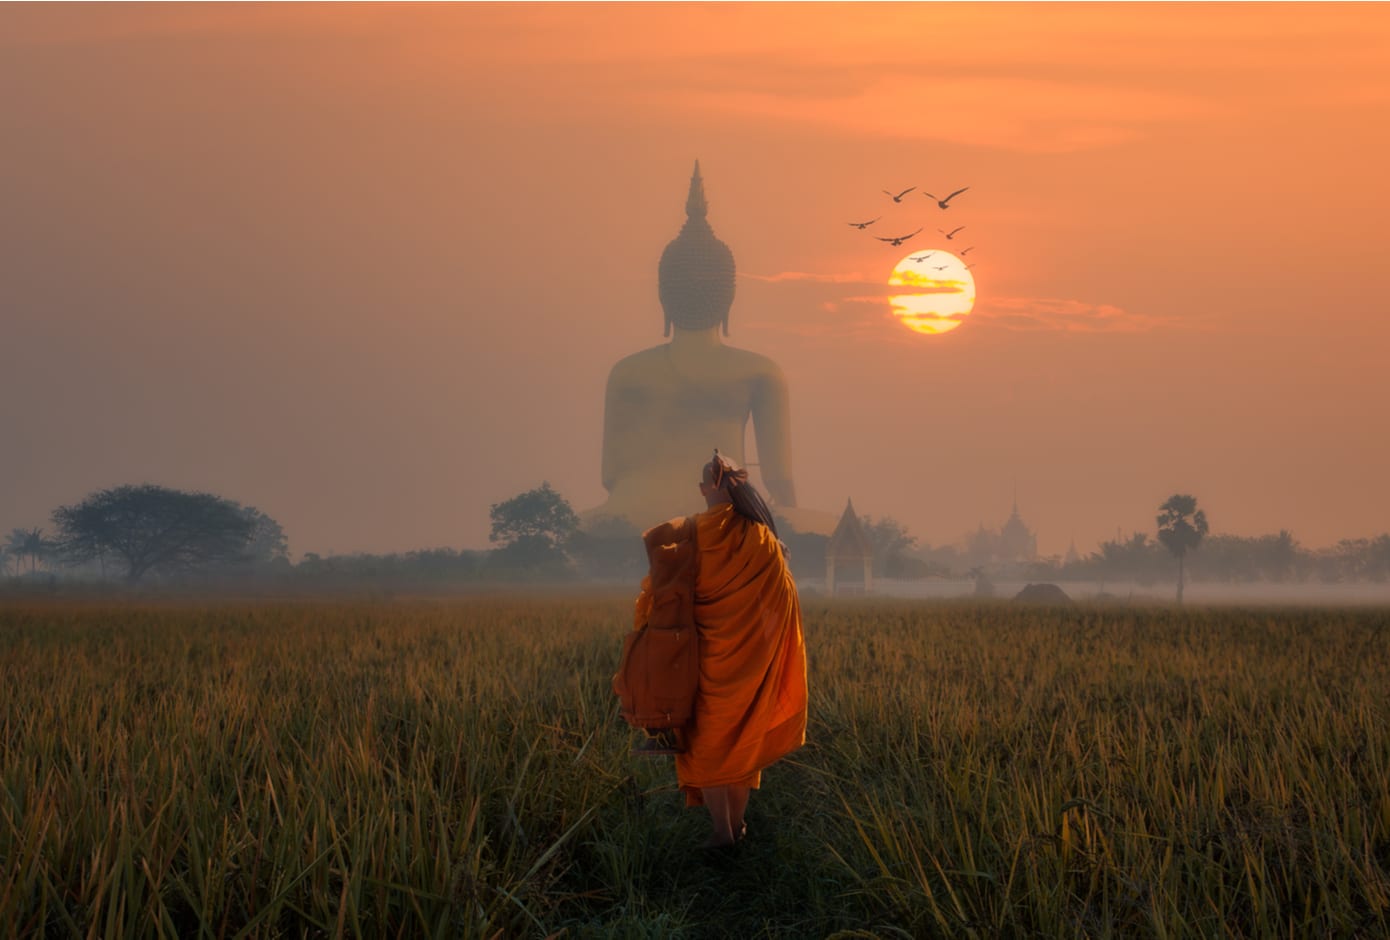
(772, 430)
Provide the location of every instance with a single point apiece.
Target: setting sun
(940, 295)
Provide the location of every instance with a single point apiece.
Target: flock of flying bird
(896, 240)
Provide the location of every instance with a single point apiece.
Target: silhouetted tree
(1181, 527)
(155, 529)
(424, 569)
(1278, 555)
(1360, 559)
(13, 543)
(889, 540)
(533, 528)
(1377, 558)
(28, 543)
(1136, 558)
(267, 544)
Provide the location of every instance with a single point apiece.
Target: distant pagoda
(848, 545)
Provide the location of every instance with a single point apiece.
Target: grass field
(455, 769)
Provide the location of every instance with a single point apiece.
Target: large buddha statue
(668, 407)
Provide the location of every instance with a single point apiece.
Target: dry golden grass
(455, 768)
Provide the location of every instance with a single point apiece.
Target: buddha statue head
(695, 278)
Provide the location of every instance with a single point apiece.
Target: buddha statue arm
(619, 418)
(612, 423)
(772, 431)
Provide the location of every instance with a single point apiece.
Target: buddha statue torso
(668, 407)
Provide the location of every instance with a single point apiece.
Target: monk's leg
(717, 802)
(738, 802)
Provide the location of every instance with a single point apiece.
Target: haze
(366, 268)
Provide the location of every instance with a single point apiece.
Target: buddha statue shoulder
(667, 407)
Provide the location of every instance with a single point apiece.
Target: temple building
(1017, 543)
(849, 552)
(1013, 544)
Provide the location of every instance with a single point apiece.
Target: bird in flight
(899, 196)
(969, 266)
(898, 240)
(951, 234)
(863, 225)
(966, 251)
(942, 202)
(941, 267)
(920, 258)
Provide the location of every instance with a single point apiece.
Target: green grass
(455, 768)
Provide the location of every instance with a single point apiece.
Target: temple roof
(1015, 524)
(849, 534)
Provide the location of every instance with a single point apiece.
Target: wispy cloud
(834, 305)
(1026, 79)
(823, 305)
(783, 277)
(1013, 113)
(1059, 315)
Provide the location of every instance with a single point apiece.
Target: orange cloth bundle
(658, 674)
(751, 706)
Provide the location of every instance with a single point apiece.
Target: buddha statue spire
(695, 205)
(695, 278)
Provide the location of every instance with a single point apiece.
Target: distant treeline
(1229, 559)
(153, 536)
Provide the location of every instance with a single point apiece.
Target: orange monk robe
(751, 707)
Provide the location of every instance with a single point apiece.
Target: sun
(940, 295)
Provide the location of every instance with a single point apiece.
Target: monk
(750, 710)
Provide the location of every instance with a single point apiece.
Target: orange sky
(366, 267)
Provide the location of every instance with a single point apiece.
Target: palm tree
(28, 542)
(16, 545)
(1181, 527)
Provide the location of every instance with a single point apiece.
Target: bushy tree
(1251, 558)
(533, 528)
(267, 544)
(1136, 558)
(1362, 559)
(150, 528)
(1181, 528)
(889, 541)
